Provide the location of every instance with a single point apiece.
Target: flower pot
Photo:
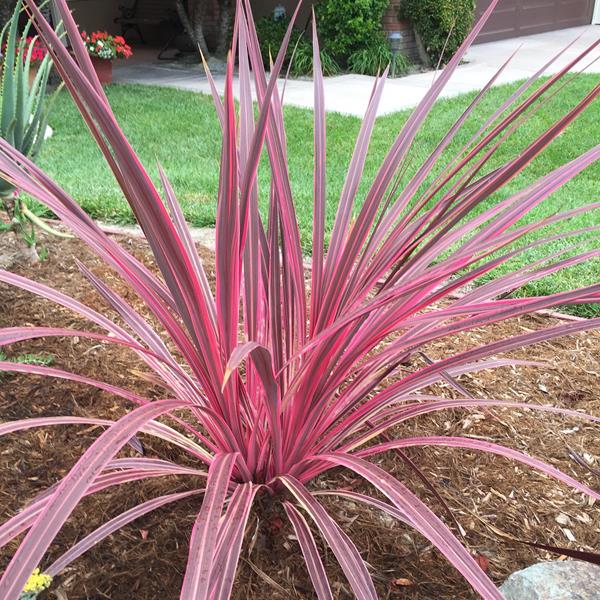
(33, 71)
(103, 69)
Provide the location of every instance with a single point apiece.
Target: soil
(494, 500)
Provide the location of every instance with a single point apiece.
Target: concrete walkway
(349, 94)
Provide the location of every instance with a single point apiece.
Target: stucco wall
(95, 15)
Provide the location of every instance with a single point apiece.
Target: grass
(180, 130)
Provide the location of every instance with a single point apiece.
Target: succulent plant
(24, 109)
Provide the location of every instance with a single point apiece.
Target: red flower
(101, 41)
(31, 44)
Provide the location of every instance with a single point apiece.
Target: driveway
(349, 94)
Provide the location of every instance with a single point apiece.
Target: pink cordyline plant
(319, 387)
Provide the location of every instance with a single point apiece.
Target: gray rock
(555, 580)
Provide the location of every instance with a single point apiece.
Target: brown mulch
(495, 500)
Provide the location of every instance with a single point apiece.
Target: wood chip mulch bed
(494, 500)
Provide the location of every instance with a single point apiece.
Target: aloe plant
(24, 113)
(290, 379)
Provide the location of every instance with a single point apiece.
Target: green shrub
(302, 61)
(442, 25)
(299, 55)
(349, 33)
(375, 58)
(348, 26)
(270, 33)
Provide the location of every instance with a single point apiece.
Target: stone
(555, 580)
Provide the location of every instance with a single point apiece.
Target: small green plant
(41, 360)
(23, 120)
(302, 61)
(442, 25)
(400, 65)
(375, 58)
(348, 26)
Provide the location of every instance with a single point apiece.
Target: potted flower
(103, 49)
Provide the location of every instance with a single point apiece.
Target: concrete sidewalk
(349, 94)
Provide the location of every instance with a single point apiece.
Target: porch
(150, 36)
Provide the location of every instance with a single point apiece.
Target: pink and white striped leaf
(423, 520)
(314, 564)
(345, 551)
(199, 573)
(72, 488)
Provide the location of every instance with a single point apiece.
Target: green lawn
(180, 130)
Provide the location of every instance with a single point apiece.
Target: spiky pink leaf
(490, 447)
(199, 574)
(71, 490)
(231, 536)
(310, 552)
(345, 551)
(320, 179)
(424, 520)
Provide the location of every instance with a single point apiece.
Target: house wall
(96, 15)
(392, 23)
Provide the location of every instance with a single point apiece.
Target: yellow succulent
(37, 582)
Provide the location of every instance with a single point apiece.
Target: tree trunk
(225, 10)
(192, 22)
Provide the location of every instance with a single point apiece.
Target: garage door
(512, 18)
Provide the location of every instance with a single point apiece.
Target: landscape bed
(283, 389)
(492, 498)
